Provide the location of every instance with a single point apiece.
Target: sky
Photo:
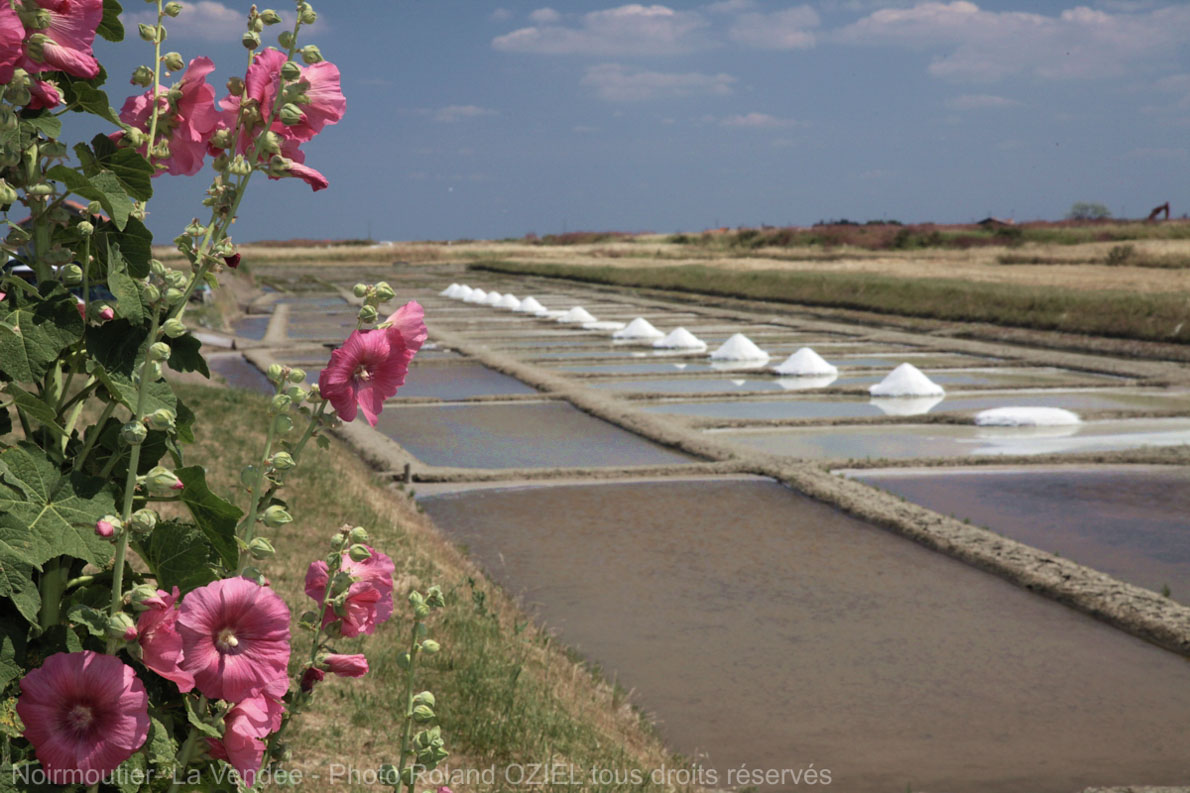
(484, 120)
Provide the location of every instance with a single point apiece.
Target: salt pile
(609, 324)
(1026, 417)
(530, 306)
(805, 363)
(509, 301)
(806, 382)
(906, 381)
(639, 328)
(577, 315)
(449, 291)
(906, 406)
(681, 339)
(739, 348)
(476, 296)
(493, 298)
(464, 293)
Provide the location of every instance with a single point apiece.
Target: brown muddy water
(1128, 521)
(768, 630)
(517, 435)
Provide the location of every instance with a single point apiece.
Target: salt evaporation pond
(239, 373)
(521, 435)
(447, 381)
(252, 326)
(844, 407)
(1128, 521)
(799, 634)
(913, 441)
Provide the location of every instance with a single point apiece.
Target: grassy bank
(507, 693)
(1152, 317)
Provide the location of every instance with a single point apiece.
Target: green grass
(1130, 315)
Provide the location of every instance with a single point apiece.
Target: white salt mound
(577, 315)
(449, 291)
(806, 382)
(805, 363)
(906, 381)
(509, 301)
(609, 324)
(639, 328)
(530, 306)
(1026, 417)
(906, 406)
(739, 348)
(476, 296)
(464, 293)
(493, 298)
(681, 339)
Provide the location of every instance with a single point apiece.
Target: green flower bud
(86, 228)
(256, 24)
(7, 194)
(250, 40)
(173, 296)
(367, 314)
(235, 86)
(142, 596)
(159, 351)
(286, 39)
(252, 574)
(150, 371)
(283, 461)
(156, 267)
(309, 619)
(307, 14)
(424, 698)
(297, 376)
(143, 521)
(121, 627)
(275, 517)
(388, 775)
(359, 553)
(275, 373)
(142, 75)
(173, 327)
(173, 61)
(72, 275)
(147, 32)
(429, 647)
(357, 535)
(260, 548)
(359, 290)
(270, 17)
(162, 482)
(421, 611)
(403, 661)
(290, 114)
(422, 714)
(133, 433)
(283, 423)
(384, 292)
(161, 419)
(434, 597)
(290, 71)
(151, 293)
(311, 54)
(172, 9)
(281, 403)
(240, 166)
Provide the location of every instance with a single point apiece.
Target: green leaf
(132, 773)
(102, 186)
(180, 555)
(109, 444)
(163, 749)
(110, 26)
(16, 574)
(12, 650)
(196, 721)
(33, 334)
(184, 422)
(128, 297)
(58, 512)
(216, 518)
(135, 242)
(93, 100)
(133, 170)
(94, 620)
(184, 355)
(34, 408)
(47, 125)
(117, 345)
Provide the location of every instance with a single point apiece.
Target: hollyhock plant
(12, 33)
(369, 600)
(235, 638)
(346, 665)
(371, 365)
(84, 713)
(187, 123)
(64, 44)
(245, 728)
(160, 642)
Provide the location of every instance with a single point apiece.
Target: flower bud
(367, 314)
(422, 714)
(260, 548)
(151, 293)
(429, 647)
(359, 290)
(7, 194)
(285, 39)
(172, 328)
(310, 677)
(250, 40)
(172, 9)
(143, 597)
(357, 535)
(434, 597)
(86, 228)
(142, 75)
(147, 32)
(107, 526)
(359, 553)
(173, 296)
(291, 115)
(270, 17)
(150, 371)
(275, 373)
(133, 433)
(383, 292)
(311, 54)
(235, 87)
(122, 627)
(307, 14)
(291, 71)
(424, 698)
(162, 482)
(159, 351)
(283, 423)
(275, 517)
(252, 574)
(143, 521)
(173, 61)
(72, 274)
(281, 403)
(388, 776)
(161, 419)
(282, 461)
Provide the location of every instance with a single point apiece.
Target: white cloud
(781, 30)
(625, 30)
(500, 15)
(205, 19)
(978, 45)
(618, 83)
(453, 113)
(757, 121)
(544, 16)
(980, 102)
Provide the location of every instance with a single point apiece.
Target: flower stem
(407, 727)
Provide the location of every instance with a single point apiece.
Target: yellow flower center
(226, 641)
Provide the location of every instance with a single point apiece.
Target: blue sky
(470, 119)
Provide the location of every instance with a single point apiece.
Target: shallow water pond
(239, 373)
(252, 326)
(768, 629)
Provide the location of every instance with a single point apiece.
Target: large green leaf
(185, 355)
(47, 125)
(130, 167)
(18, 549)
(34, 332)
(180, 555)
(110, 26)
(216, 518)
(135, 242)
(58, 512)
(34, 408)
(128, 296)
(101, 186)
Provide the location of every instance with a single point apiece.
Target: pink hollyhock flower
(347, 665)
(160, 642)
(44, 95)
(65, 46)
(235, 638)
(104, 528)
(84, 713)
(245, 728)
(312, 676)
(187, 124)
(369, 598)
(12, 33)
(106, 313)
(372, 364)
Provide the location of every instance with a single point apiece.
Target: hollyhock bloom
(372, 364)
(369, 599)
(235, 638)
(12, 33)
(346, 665)
(186, 124)
(84, 713)
(44, 95)
(65, 45)
(312, 676)
(245, 728)
(160, 642)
